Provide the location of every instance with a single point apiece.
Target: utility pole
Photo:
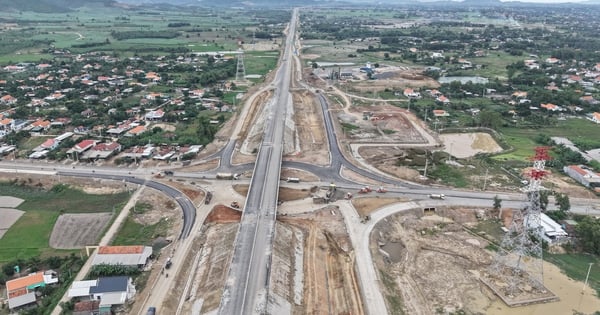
(485, 178)
(426, 163)
(586, 277)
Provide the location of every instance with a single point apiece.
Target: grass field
(29, 236)
(523, 139)
(260, 62)
(133, 233)
(575, 266)
(201, 30)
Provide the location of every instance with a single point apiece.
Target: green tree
(563, 202)
(497, 203)
(490, 119)
(588, 231)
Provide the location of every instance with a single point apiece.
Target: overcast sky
(545, 1)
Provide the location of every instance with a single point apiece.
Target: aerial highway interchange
(246, 288)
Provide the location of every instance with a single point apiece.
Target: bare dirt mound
(76, 230)
(384, 159)
(285, 193)
(365, 206)
(223, 214)
(304, 176)
(464, 145)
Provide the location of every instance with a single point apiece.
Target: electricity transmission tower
(240, 74)
(518, 264)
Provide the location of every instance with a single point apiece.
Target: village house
(136, 255)
(75, 152)
(411, 93)
(553, 232)
(551, 107)
(440, 113)
(595, 117)
(49, 144)
(109, 291)
(21, 291)
(38, 127)
(102, 151)
(584, 176)
(442, 99)
(136, 131)
(8, 100)
(6, 126)
(155, 114)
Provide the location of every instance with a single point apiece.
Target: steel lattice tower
(240, 74)
(519, 264)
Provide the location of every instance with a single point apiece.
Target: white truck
(437, 196)
(293, 180)
(227, 176)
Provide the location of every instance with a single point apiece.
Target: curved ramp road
(188, 208)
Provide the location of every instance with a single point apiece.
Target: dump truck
(437, 196)
(293, 180)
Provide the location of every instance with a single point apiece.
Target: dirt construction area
(382, 123)
(320, 241)
(431, 265)
(310, 130)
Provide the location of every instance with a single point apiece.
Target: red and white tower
(518, 264)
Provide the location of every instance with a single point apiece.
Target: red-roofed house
(152, 76)
(6, 125)
(550, 107)
(78, 149)
(152, 96)
(102, 151)
(21, 291)
(136, 131)
(440, 113)
(155, 114)
(39, 126)
(595, 117)
(8, 100)
(50, 144)
(588, 99)
(583, 175)
(519, 94)
(442, 99)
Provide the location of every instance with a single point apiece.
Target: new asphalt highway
(246, 287)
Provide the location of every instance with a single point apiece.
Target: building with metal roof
(123, 255)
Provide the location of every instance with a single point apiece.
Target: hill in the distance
(50, 6)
